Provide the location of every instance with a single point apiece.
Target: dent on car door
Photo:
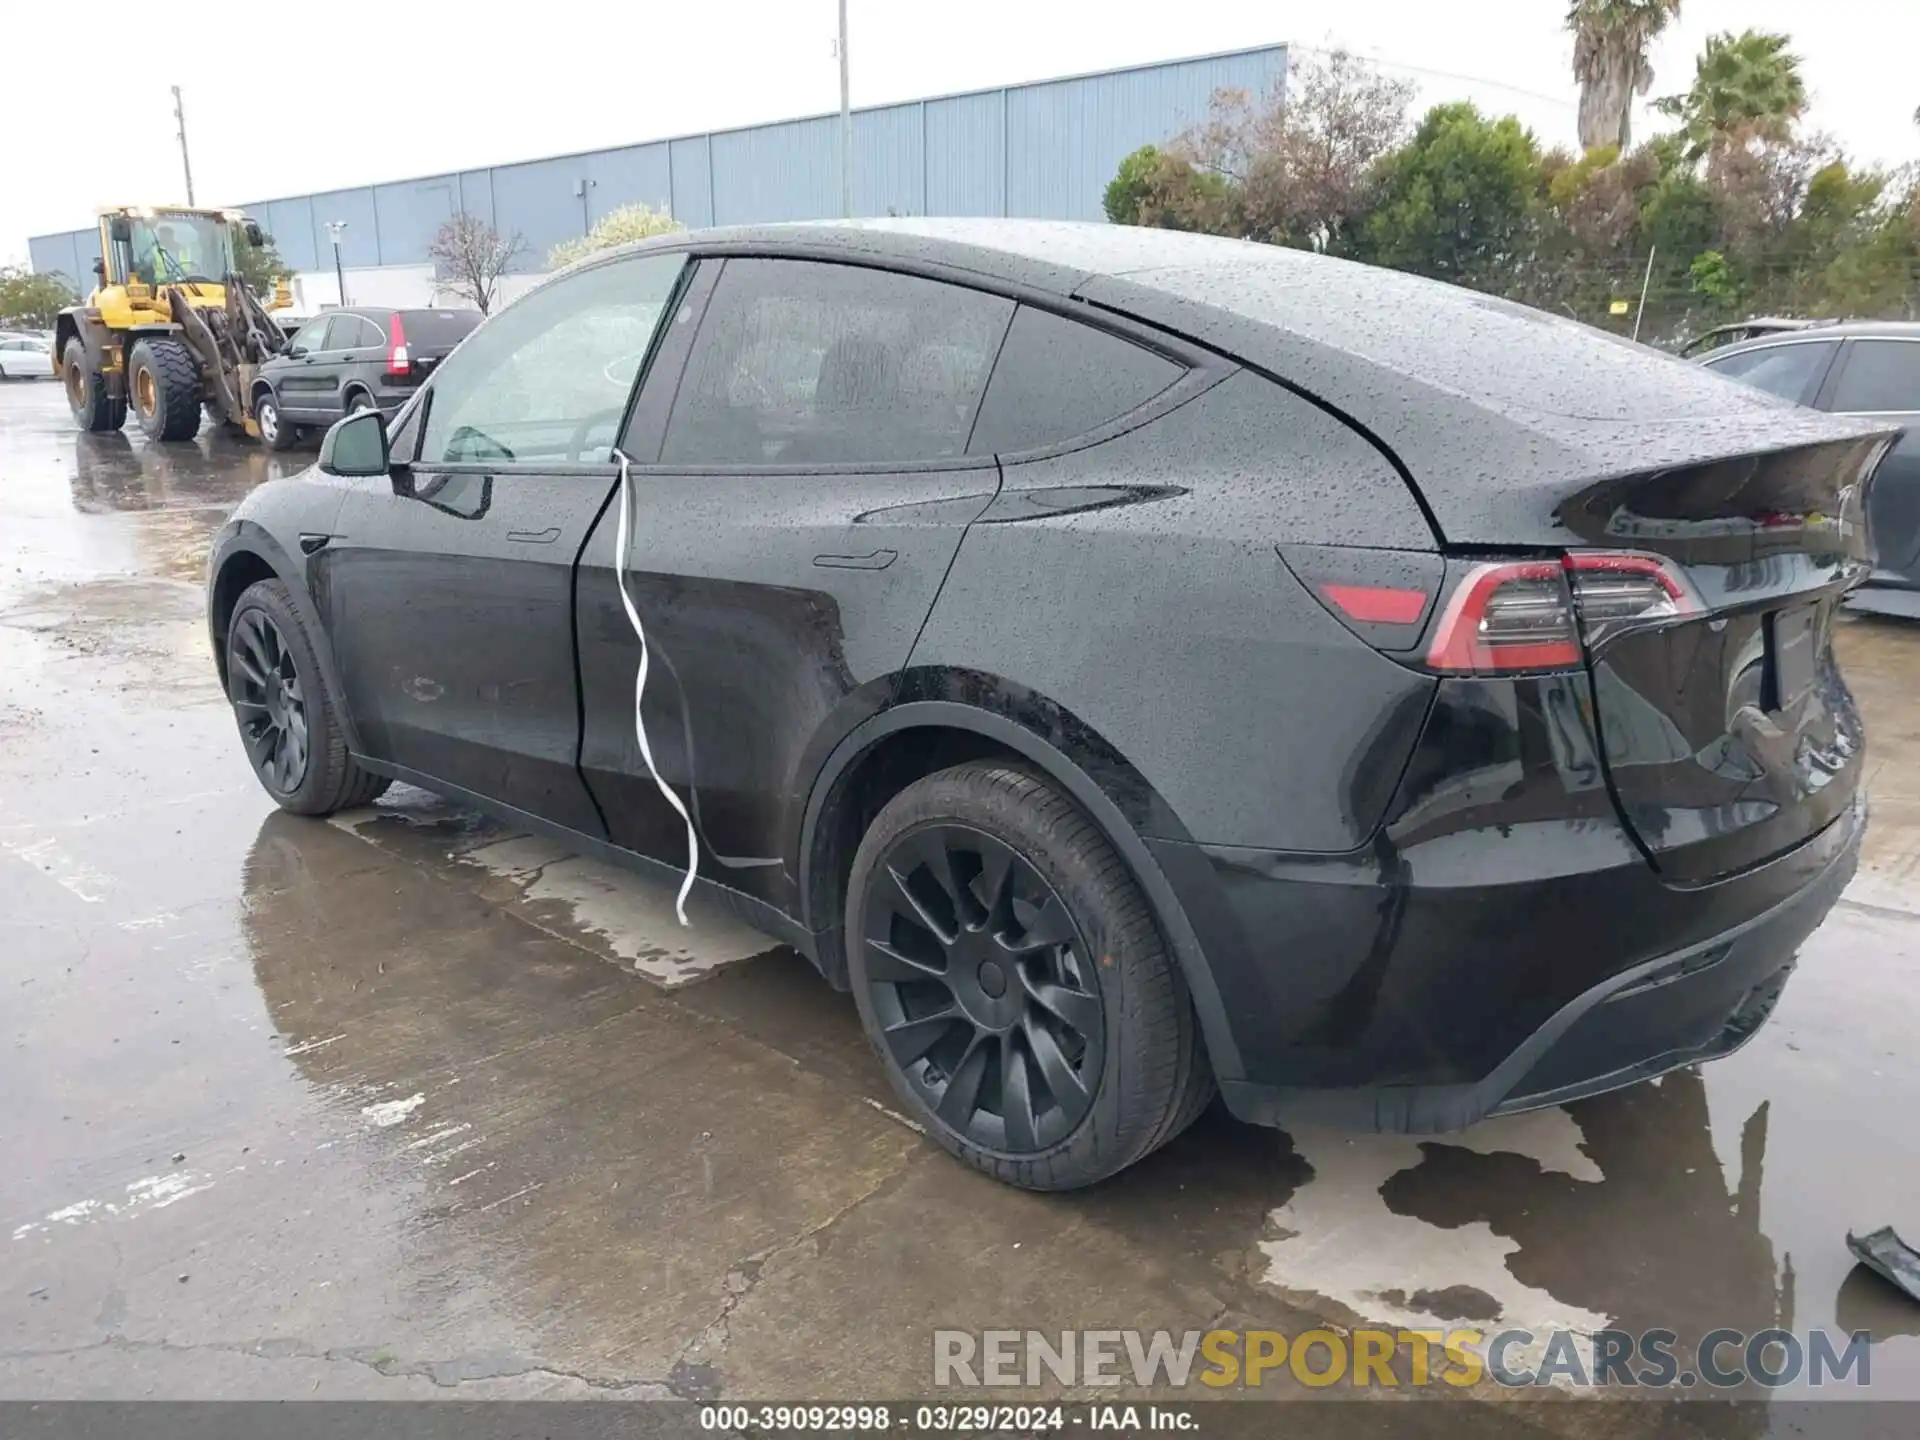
(1881, 378)
(451, 584)
(800, 488)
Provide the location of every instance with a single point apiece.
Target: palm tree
(1743, 85)
(1610, 40)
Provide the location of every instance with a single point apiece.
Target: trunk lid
(1728, 733)
(431, 336)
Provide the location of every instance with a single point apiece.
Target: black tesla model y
(1133, 663)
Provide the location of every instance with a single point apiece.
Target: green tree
(30, 301)
(259, 265)
(1745, 87)
(1610, 43)
(617, 227)
(1456, 201)
(1127, 192)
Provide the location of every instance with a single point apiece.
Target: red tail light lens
(1619, 592)
(398, 361)
(1377, 604)
(1533, 614)
(1507, 616)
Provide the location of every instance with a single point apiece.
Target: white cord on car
(620, 543)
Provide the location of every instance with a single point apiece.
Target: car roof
(1484, 401)
(1832, 330)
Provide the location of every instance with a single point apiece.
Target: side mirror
(356, 446)
(255, 236)
(120, 228)
(294, 352)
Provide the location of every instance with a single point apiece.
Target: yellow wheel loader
(170, 328)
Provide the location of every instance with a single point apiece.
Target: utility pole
(846, 125)
(180, 114)
(334, 227)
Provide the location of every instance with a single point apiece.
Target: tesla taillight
(1534, 614)
(398, 361)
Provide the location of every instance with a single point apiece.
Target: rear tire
(274, 429)
(280, 694)
(94, 410)
(1089, 1052)
(359, 400)
(164, 384)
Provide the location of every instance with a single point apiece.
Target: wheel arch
(243, 556)
(945, 719)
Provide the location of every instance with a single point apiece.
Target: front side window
(801, 362)
(312, 336)
(1881, 376)
(547, 379)
(1791, 371)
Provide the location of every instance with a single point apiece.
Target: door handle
(535, 537)
(873, 560)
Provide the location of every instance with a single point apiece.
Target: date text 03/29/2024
(948, 1419)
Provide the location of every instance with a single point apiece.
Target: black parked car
(1127, 660)
(1869, 368)
(346, 360)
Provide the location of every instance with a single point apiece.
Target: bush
(617, 227)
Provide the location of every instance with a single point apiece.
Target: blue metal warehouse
(1046, 150)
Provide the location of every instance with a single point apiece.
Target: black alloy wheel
(268, 699)
(983, 989)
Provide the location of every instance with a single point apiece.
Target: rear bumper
(1691, 1004)
(389, 400)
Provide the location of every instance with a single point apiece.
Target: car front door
(1879, 377)
(298, 379)
(450, 588)
(800, 487)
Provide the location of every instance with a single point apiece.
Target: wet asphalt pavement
(403, 1104)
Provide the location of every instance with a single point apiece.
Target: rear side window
(1880, 375)
(1792, 372)
(1057, 378)
(804, 363)
(427, 329)
(352, 332)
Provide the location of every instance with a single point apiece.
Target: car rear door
(798, 494)
(1879, 377)
(356, 349)
(451, 587)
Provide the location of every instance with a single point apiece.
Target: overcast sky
(285, 100)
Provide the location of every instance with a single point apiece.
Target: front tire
(288, 715)
(94, 410)
(164, 384)
(274, 429)
(1012, 980)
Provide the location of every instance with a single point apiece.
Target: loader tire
(164, 384)
(93, 408)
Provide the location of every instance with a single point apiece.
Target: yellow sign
(1620, 307)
